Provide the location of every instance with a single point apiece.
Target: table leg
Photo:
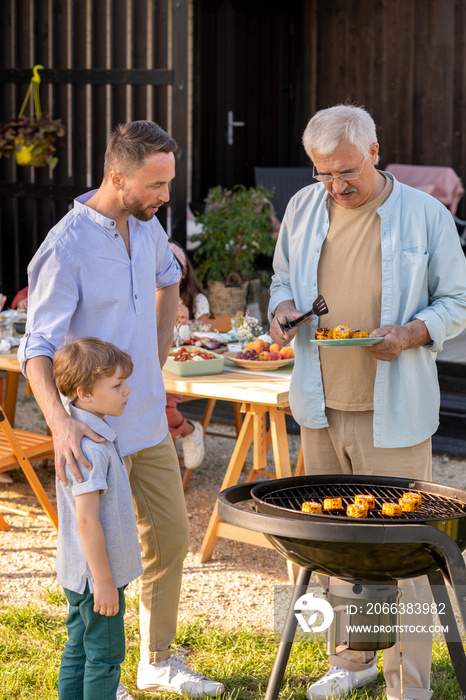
(277, 437)
(231, 478)
(261, 443)
(187, 478)
(299, 471)
(254, 427)
(205, 423)
(209, 409)
(238, 417)
(281, 452)
(9, 398)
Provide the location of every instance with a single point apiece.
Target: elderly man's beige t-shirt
(350, 279)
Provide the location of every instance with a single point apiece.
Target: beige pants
(347, 447)
(162, 521)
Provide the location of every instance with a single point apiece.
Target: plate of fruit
(263, 356)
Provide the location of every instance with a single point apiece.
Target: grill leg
(455, 646)
(284, 646)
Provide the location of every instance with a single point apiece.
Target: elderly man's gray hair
(329, 127)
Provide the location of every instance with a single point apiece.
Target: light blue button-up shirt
(423, 276)
(83, 283)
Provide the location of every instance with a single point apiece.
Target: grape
(248, 355)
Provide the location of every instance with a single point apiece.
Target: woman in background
(193, 302)
(193, 305)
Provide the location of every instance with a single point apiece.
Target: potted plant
(34, 141)
(237, 227)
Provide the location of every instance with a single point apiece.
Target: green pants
(90, 664)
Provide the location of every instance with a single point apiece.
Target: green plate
(347, 342)
(195, 368)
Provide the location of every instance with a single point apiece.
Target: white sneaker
(193, 446)
(173, 675)
(337, 682)
(122, 693)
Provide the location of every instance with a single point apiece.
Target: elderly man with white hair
(387, 260)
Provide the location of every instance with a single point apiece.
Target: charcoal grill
(377, 548)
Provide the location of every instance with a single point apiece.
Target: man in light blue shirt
(106, 270)
(388, 261)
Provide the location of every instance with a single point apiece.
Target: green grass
(31, 642)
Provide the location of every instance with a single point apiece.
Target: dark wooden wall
(405, 61)
(104, 63)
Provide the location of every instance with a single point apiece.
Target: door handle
(231, 125)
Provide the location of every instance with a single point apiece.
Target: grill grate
(432, 506)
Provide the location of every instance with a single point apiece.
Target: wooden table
(259, 395)
(10, 364)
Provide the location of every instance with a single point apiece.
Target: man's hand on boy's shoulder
(67, 435)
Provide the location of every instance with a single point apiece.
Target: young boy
(98, 549)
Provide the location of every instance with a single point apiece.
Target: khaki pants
(162, 522)
(347, 447)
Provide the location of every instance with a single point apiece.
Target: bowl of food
(190, 361)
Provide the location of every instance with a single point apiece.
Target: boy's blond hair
(83, 362)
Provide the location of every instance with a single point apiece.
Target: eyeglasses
(342, 176)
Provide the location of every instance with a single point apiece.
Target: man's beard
(135, 208)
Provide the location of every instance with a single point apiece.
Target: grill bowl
(358, 549)
(283, 498)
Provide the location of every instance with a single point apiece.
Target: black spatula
(319, 308)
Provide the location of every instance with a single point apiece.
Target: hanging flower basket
(33, 140)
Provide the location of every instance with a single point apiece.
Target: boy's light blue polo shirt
(116, 512)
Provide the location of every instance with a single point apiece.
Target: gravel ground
(234, 588)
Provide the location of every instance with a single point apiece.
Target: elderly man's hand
(284, 313)
(398, 338)
(391, 345)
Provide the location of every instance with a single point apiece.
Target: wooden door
(247, 90)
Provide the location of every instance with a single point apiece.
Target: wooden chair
(17, 449)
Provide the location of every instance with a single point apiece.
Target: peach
(264, 355)
(275, 355)
(287, 352)
(275, 347)
(256, 345)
